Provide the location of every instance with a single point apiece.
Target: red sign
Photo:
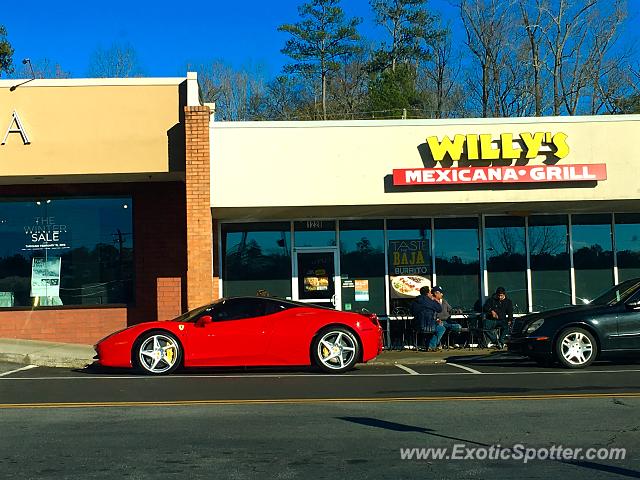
(524, 174)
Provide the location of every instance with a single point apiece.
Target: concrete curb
(44, 360)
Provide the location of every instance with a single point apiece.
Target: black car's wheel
(335, 350)
(576, 348)
(157, 353)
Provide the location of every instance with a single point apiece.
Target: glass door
(316, 273)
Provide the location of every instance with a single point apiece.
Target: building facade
(121, 201)
(103, 204)
(361, 214)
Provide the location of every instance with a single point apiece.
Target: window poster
(409, 267)
(45, 277)
(361, 290)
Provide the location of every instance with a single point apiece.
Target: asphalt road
(265, 423)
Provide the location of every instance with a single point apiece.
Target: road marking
(28, 367)
(477, 372)
(311, 401)
(311, 376)
(407, 369)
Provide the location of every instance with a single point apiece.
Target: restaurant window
(315, 233)
(628, 245)
(409, 259)
(58, 251)
(257, 256)
(592, 254)
(507, 258)
(550, 264)
(457, 261)
(362, 265)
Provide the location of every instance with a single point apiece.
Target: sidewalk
(45, 354)
(69, 355)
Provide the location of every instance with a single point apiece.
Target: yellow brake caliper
(169, 354)
(325, 352)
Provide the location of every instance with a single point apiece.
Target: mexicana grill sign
(481, 152)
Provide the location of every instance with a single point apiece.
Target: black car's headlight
(533, 326)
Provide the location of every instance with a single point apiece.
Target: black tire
(161, 358)
(335, 349)
(576, 348)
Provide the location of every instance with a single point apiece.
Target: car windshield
(619, 293)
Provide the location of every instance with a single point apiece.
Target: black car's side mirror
(204, 320)
(633, 306)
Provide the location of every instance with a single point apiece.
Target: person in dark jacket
(499, 316)
(424, 309)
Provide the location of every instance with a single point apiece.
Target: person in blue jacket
(424, 309)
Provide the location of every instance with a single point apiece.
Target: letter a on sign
(16, 127)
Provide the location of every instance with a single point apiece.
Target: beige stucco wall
(305, 164)
(81, 127)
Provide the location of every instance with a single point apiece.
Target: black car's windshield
(619, 293)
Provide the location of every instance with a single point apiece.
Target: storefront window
(257, 256)
(57, 252)
(507, 258)
(628, 245)
(592, 254)
(550, 265)
(457, 261)
(362, 265)
(315, 233)
(409, 258)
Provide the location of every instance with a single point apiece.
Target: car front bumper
(532, 346)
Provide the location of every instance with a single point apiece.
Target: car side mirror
(204, 320)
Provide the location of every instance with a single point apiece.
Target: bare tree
(442, 71)
(117, 61)
(238, 94)
(42, 68)
(532, 23)
(488, 24)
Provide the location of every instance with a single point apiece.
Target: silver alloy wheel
(158, 353)
(576, 348)
(337, 349)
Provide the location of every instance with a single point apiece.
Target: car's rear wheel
(335, 350)
(576, 348)
(157, 353)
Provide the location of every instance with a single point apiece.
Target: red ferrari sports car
(246, 331)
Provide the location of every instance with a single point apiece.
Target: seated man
(424, 309)
(499, 316)
(444, 316)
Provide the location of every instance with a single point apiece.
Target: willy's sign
(483, 149)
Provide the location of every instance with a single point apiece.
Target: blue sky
(169, 36)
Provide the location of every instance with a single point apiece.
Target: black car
(576, 336)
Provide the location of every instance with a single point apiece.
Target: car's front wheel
(576, 348)
(335, 350)
(157, 353)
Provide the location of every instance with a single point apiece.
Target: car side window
(238, 309)
(274, 306)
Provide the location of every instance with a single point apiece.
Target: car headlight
(534, 326)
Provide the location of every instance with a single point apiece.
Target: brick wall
(169, 293)
(200, 287)
(71, 325)
(159, 225)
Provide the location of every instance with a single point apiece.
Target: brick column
(199, 228)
